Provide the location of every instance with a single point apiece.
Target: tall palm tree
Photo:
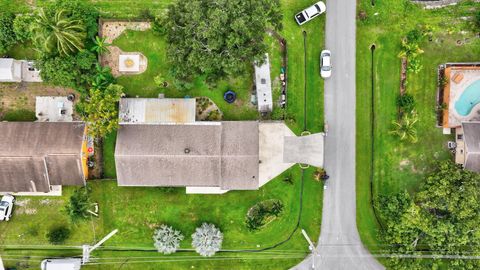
(58, 33)
(405, 127)
(101, 46)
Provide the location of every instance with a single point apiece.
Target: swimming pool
(469, 98)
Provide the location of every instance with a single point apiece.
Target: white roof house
(10, 70)
(263, 85)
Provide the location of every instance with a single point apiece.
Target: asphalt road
(339, 246)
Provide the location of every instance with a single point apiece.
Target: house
(40, 157)
(219, 155)
(467, 152)
(263, 85)
(159, 144)
(10, 70)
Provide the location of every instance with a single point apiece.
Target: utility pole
(87, 249)
(311, 246)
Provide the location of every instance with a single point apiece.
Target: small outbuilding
(263, 85)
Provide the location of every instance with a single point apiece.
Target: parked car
(6, 207)
(310, 12)
(325, 64)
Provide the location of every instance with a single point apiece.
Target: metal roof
(157, 110)
(264, 86)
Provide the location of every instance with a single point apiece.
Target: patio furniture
(457, 78)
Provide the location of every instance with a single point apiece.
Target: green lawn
(137, 211)
(143, 85)
(400, 165)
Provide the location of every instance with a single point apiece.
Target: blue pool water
(469, 98)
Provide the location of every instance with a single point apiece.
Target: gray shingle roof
(35, 155)
(208, 154)
(471, 134)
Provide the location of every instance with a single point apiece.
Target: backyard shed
(263, 86)
(10, 70)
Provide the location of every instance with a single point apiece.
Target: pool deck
(452, 92)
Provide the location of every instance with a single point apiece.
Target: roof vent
(187, 151)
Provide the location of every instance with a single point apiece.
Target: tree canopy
(100, 109)
(218, 38)
(441, 219)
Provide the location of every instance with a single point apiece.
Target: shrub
(58, 235)
(166, 239)
(258, 214)
(207, 240)
(75, 71)
(22, 26)
(406, 102)
(7, 35)
(79, 203)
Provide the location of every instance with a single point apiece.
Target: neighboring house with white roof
(263, 85)
(10, 70)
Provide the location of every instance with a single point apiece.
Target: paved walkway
(339, 246)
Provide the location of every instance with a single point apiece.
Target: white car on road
(325, 64)
(6, 207)
(310, 13)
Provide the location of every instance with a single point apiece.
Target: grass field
(137, 211)
(400, 165)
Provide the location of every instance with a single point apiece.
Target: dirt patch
(21, 96)
(113, 29)
(22, 203)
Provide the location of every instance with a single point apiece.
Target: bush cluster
(260, 212)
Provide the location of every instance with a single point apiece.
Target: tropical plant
(261, 212)
(405, 127)
(100, 46)
(58, 34)
(80, 10)
(7, 34)
(79, 203)
(103, 77)
(100, 110)
(58, 235)
(166, 239)
(207, 240)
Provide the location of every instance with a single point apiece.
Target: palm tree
(103, 77)
(101, 46)
(58, 33)
(405, 127)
